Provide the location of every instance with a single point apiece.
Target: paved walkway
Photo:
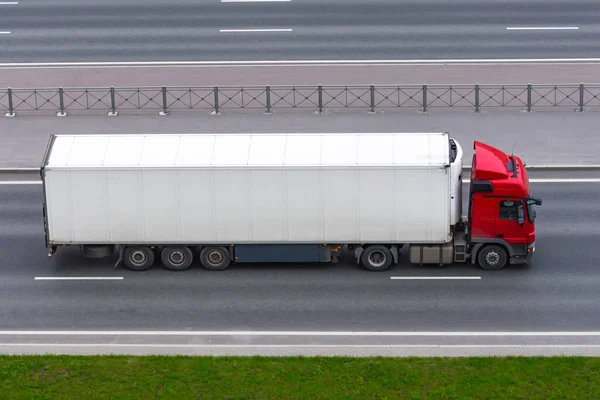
(299, 75)
(547, 138)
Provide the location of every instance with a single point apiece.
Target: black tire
(492, 258)
(176, 258)
(376, 258)
(215, 258)
(138, 258)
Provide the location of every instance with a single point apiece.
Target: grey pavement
(558, 292)
(313, 347)
(332, 74)
(541, 138)
(72, 30)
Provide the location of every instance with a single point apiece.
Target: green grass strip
(182, 377)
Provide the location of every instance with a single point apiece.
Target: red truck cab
(501, 219)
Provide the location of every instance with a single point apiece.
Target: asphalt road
(72, 30)
(547, 138)
(558, 292)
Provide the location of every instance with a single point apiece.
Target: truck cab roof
(506, 174)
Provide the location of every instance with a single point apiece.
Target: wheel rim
(377, 258)
(215, 257)
(138, 257)
(176, 257)
(492, 258)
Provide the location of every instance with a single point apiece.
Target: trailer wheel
(176, 258)
(376, 258)
(215, 258)
(138, 258)
(492, 258)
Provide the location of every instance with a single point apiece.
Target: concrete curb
(557, 167)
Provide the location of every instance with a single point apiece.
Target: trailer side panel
(344, 202)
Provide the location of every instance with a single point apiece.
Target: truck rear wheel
(215, 258)
(138, 258)
(176, 258)
(376, 258)
(492, 258)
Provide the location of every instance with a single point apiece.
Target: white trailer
(251, 197)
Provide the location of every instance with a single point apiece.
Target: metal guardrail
(371, 98)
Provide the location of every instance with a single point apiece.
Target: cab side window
(509, 210)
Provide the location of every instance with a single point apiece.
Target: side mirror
(521, 214)
(533, 200)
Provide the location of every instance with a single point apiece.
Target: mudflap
(358, 252)
(394, 251)
(120, 259)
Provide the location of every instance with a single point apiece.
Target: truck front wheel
(376, 258)
(492, 258)
(178, 258)
(215, 258)
(138, 258)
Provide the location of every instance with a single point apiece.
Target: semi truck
(224, 198)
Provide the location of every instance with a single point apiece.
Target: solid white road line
(434, 277)
(537, 167)
(527, 28)
(540, 180)
(253, 1)
(567, 180)
(4, 32)
(8, 3)
(557, 180)
(295, 333)
(465, 167)
(292, 346)
(78, 278)
(20, 182)
(21, 169)
(253, 30)
(172, 63)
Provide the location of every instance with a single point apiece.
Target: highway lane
(70, 30)
(558, 292)
(540, 138)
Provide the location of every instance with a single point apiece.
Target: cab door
(511, 224)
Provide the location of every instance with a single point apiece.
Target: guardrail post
(113, 103)
(268, 94)
(320, 91)
(529, 97)
(216, 93)
(372, 90)
(477, 97)
(61, 101)
(581, 97)
(11, 110)
(424, 98)
(164, 101)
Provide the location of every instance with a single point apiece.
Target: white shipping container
(249, 188)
